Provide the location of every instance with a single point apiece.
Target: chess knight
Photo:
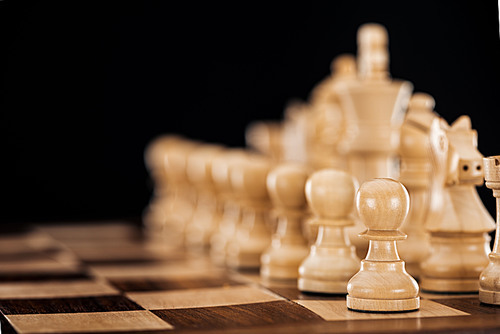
(458, 222)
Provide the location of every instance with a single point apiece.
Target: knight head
(465, 162)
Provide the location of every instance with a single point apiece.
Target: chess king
(458, 222)
(374, 108)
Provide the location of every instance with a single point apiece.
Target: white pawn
(253, 232)
(289, 247)
(332, 260)
(382, 284)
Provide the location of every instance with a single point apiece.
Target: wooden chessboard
(88, 278)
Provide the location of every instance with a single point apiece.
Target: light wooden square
(230, 295)
(55, 289)
(336, 310)
(87, 322)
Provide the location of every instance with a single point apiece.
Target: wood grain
(246, 315)
(68, 305)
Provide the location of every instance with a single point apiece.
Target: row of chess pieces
(362, 165)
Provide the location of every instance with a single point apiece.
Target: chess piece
(325, 124)
(374, 107)
(332, 260)
(265, 137)
(457, 220)
(155, 212)
(253, 233)
(294, 132)
(382, 284)
(206, 213)
(228, 198)
(281, 260)
(172, 204)
(415, 174)
(489, 280)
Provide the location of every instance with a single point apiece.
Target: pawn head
(286, 185)
(382, 204)
(330, 193)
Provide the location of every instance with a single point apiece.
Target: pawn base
(319, 286)
(383, 305)
(489, 297)
(449, 285)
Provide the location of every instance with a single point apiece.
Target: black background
(84, 86)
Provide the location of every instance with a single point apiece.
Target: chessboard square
(188, 269)
(42, 276)
(243, 315)
(38, 265)
(88, 322)
(68, 305)
(158, 284)
(245, 294)
(55, 289)
(470, 305)
(336, 310)
(91, 231)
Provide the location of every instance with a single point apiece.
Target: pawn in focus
(382, 284)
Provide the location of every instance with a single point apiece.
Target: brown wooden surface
(139, 294)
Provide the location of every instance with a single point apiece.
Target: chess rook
(382, 284)
(286, 184)
(489, 280)
(332, 260)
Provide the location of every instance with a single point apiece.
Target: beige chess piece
(154, 215)
(325, 123)
(489, 280)
(294, 132)
(415, 174)
(332, 260)
(374, 107)
(457, 220)
(206, 213)
(265, 137)
(253, 233)
(281, 260)
(229, 200)
(382, 284)
(172, 204)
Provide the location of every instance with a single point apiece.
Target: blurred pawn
(229, 202)
(253, 234)
(332, 260)
(171, 204)
(205, 217)
(289, 247)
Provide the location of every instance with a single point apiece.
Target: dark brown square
(469, 305)
(68, 305)
(159, 284)
(233, 316)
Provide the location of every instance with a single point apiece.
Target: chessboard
(105, 277)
